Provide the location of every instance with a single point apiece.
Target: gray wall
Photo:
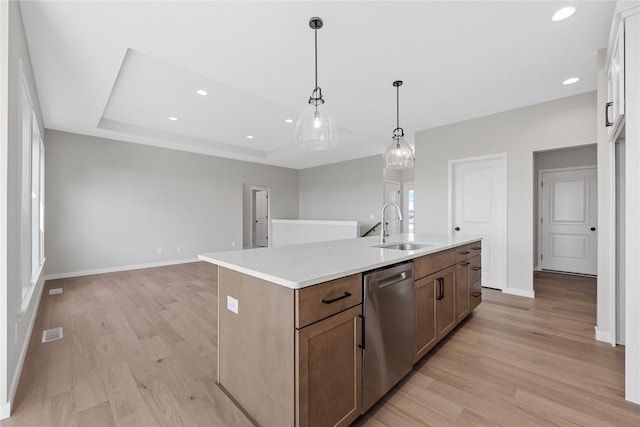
(112, 204)
(560, 123)
(351, 190)
(586, 155)
(14, 323)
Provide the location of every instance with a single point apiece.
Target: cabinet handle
(476, 268)
(440, 288)
(464, 264)
(331, 301)
(477, 248)
(606, 114)
(464, 252)
(362, 332)
(476, 294)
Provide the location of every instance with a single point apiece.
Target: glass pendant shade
(315, 129)
(398, 155)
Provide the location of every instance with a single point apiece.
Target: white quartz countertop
(299, 266)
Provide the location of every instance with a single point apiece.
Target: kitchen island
(290, 320)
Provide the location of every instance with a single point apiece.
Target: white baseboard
(5, 410)
(603, 336)
(519, 292)
(116, 269)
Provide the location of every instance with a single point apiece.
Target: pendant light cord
(397, 107)
(315, 32)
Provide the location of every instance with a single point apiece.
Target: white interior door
(261, 218)
(392, 195)
(479, 208)
(568, 220)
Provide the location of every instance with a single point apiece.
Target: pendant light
(315, 130)
(398, 154)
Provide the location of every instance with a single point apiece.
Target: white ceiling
(119, 69)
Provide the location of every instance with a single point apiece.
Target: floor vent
(52, 334)
(55, 291)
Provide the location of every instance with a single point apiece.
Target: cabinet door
(328, 370)
(445, 302)
(462, 289)
(615, 82)
(425, 317)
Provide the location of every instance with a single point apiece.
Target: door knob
(457, 228)
(593, 229)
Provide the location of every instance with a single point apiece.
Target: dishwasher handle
(388, 281)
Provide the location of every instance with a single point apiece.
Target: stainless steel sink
(403, 246)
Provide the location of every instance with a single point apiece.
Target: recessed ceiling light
(202, 92)
(288, 120)
(563, 14)
(571, 81)
(172, 118)
(249, 136)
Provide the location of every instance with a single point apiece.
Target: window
(37, 200)
(32, 199)
(408, 207)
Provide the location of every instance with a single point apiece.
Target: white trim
(519, 292)
(5, 407)
(25, 346)
(613, 243)
(5, 410)
(116, 269)
(603, 336)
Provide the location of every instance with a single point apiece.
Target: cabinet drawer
(475, 295)
(429, 264)
(317, 302)
(475, 269)
(475, 248)
(463, 253)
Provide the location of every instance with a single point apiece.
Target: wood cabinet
(329, 373)
(614, 109)
(444, 294)
(445, 301)
(462, 289)
(425, 335)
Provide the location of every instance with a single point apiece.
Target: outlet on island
(232, 304)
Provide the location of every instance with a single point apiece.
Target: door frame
(538, 266)
(409, 185)
(252, 213)
(502, 157)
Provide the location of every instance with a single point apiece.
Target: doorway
(478, 207)
(567, 215)
(408, 207)
(259, 217)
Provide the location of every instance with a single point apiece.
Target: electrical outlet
(233, 244)
(159, 251)
(179, 249)
(371, 216)
(232, 304)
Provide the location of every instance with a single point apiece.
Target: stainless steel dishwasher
(388, 330)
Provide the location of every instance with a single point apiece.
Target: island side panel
(256, 346)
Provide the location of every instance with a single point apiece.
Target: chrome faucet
(385, 233)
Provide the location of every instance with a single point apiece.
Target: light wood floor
(139, 348)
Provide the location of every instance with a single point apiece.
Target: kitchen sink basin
(403, 246)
